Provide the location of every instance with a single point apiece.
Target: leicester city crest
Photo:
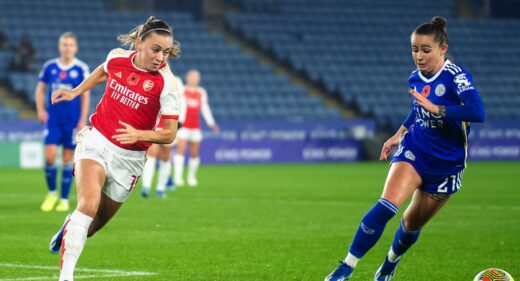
(440, 90)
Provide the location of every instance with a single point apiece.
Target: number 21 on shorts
(451, 183)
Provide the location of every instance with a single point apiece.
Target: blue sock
(371, 227)
(404, 239)
(66, 180)
(50, 177)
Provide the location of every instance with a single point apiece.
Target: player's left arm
(85, 103)
(129, 135)
(471, 109)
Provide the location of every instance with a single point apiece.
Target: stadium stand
(238, 86)
(361, 54)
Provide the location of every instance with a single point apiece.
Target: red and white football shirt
(193, 103)
(135, 96)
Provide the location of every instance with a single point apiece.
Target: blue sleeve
(44, 74)
(472, 109)
(410, 119)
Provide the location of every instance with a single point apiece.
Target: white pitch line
(103, 272)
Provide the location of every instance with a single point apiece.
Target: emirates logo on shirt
(125, 95)
(133, 79)
(147, 85)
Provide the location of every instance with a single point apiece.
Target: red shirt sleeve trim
(176, 117)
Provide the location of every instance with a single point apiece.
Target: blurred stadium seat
(361, 54)
(235, 81)
(358, 54)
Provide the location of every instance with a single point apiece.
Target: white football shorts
(123, 167)
(191, 135)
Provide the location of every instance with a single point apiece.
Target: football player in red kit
(193, 103)
(110, 154)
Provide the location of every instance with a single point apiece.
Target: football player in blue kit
(431, 157)
(61, 120)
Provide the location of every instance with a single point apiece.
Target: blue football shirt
(57, 76)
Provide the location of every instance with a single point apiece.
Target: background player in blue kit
(61, 120)
(431, 157)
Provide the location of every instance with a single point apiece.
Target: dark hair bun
(439, 21)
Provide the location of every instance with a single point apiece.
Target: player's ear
(444, 49)
(138, 44)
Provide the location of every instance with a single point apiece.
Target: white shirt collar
(436, 74)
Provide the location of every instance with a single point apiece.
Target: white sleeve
(170, 95)
(115, 53)
(206, 110)
(183, 107)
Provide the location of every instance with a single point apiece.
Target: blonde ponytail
(142, 31)
(129, 38)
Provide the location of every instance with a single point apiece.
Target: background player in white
(110, 155)
(163, 153)
(194, 102)
(62, 121)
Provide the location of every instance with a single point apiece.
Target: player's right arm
(391, 142)
(97, 77)
(39, 97)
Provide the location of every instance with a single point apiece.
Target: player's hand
(128, 134)
(424, 102)
(62, 95)
(387, 147)
(215, 128)
(43, 116)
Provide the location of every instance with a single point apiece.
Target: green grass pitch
(268, 222)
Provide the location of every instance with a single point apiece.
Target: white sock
(148, 171)
(351, 260)
(193, 165)
(53, 193)
(392, 257)
(164, 173)
(178, 166)
(73, 242)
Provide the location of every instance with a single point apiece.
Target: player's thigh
(165, 152)
(402, 180)
(107, 209)
(153, 150)
(52, 134)
(90, 177)
(423, 207)
(50, 153)
(194, 149)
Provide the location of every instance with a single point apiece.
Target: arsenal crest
(147, 85)
(133, 79)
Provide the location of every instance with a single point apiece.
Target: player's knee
(50, 160)
(165, 157)
(411, 225)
